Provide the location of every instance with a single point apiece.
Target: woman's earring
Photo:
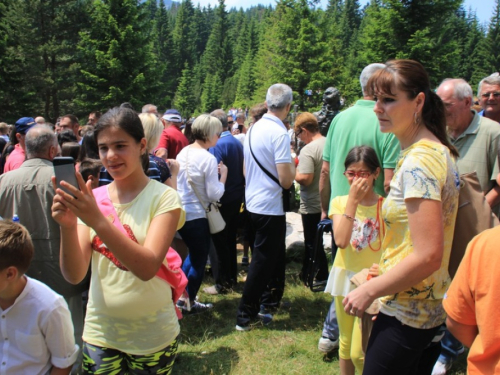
(416, 118)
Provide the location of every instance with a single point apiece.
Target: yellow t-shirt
(125, 313)
(365, 247)
(425, 170)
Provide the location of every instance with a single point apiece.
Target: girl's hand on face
(359, 188)
(81, 203)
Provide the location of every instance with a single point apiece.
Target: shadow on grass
(219, 361)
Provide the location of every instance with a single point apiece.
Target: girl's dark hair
(364, 154)
(89, 148)
(411, 77)
(127, 120)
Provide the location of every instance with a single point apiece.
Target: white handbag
(216, 223)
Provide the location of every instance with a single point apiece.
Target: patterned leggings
(97, 360)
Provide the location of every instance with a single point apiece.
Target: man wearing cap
(28, 193)
(172, 140)
(17, 157)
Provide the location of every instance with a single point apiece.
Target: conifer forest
(78, 56)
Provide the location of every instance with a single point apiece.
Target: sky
(483, 8)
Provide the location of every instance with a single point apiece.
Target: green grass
(209, 343)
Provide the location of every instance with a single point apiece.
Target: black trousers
(225, 273)
(397, 349)
(310, 225)
(266, 275)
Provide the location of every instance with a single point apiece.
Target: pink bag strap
(170, 270)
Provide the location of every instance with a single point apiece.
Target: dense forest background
(78, 56)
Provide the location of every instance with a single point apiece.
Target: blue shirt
(230, 151)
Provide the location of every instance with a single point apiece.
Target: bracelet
(349, 217)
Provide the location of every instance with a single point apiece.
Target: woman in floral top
(419, 214)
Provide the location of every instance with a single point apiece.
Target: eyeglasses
(495, 94)
(299, 132)
(352, 174)
(230, 122)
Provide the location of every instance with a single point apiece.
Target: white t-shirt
(36, 332)
(204, 173)
(270, 145)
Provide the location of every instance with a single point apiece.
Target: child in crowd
(358, 230)
(90, 170)
(36, 330)
(125, 229)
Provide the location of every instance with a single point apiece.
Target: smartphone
(64, 168)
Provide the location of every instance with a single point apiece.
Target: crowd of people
(95, 275)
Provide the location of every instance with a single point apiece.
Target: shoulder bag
(215, 221)
(474, 215)
(287, 194)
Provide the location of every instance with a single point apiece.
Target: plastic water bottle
(15, 219)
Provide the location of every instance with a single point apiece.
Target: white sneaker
(326, 345)
(440, 368)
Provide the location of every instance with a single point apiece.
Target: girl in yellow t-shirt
(131, 325)
(358, 229)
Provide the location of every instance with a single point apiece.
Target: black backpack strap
(260, 165)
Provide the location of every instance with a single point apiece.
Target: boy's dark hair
(70, 149)
(16, 248)
(90, 167)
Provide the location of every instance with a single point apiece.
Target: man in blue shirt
(230, 151)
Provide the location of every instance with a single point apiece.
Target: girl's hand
(357, 301)
(60, 213)
(359, 188)
(81, 203)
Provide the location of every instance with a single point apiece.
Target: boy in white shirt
(36, 333)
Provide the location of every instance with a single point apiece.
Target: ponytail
(434, 119)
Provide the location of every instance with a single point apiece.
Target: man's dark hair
(66, 136)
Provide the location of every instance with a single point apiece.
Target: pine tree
(167, 68)
(211, 95)
(183, 36)
(489, 48)
(117, 60)
(184, 98)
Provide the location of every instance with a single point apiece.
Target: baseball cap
(24, 124)
(172, 115)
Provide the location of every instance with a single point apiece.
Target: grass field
(209, 343)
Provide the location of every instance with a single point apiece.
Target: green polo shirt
(478, 149)
(358, 126)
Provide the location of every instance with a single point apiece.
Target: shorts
(97, 360)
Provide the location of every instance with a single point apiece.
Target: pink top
(15, 159)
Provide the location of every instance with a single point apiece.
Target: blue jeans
(196, 235)
(450, 348)
(331, 326)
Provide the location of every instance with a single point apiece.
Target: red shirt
(173, 140)
(15, 159)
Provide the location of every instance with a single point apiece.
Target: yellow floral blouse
(424, 170)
